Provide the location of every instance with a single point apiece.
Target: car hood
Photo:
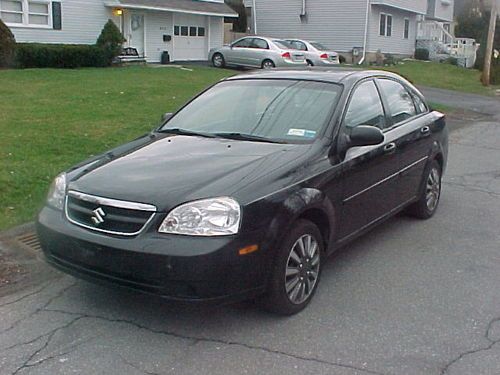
(171, 170)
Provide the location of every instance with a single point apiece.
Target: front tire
(427, 204)
(218, 60)
(297, 270)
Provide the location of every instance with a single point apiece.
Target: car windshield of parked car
(286, 111)
(319, 46)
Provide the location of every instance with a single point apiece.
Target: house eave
(117, 4)
(409, 10)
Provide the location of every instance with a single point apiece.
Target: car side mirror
(166, 116)
(365, 135)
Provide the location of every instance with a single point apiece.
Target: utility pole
(485, 78)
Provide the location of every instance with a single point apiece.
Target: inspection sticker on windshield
(302, 133)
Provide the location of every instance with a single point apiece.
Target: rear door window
(260, 44)
(243, 43)
(399, 100)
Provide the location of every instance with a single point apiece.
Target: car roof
(331, 75)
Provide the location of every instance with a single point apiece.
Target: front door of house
(136, 32)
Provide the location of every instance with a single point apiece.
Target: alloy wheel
(433, 189)
(217, 60)
(302, 269)
(267, 64)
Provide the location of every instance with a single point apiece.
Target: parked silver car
(316, 53)
(257, 52)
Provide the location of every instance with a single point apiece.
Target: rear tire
(428, 202)
(218, 60)
(268, 64)
(296, 271)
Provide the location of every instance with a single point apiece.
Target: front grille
(108, 215)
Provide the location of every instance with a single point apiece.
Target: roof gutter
(366, 32)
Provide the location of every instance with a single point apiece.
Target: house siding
(78, 26)
(216, 32)
(337, 24)
(418, 6)
(395, 44)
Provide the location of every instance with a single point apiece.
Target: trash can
(165, 58)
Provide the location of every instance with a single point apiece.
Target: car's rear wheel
(268, 64)
(428, 202)
(297, 269)
(218, 60)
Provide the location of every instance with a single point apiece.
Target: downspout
(254, 18)
(366, 32)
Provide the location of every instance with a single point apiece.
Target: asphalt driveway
(411, 297)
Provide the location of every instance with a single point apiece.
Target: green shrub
(110, 41)
(422, 54)
(7, 45)
(389, 59)
(34, 55)
(451, 61)
(495, 73)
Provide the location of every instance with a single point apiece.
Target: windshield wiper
(246, 137)
(179, 131)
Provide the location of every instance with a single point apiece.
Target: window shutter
(56, 16)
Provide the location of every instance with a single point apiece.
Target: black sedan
(247, 189)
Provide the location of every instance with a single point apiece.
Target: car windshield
(286, 111)
(283, 44)
(319, 46)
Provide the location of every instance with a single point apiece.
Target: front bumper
(194, 269)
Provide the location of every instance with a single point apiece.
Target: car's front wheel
(296, 270)
(428, 202)
(218, 60)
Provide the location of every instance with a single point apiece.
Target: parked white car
(316, 53)
(257, 52)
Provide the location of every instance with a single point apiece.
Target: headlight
(207, 217)
(57, 192)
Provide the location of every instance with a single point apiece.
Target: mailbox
(167, 38)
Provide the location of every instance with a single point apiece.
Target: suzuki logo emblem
(98, 217)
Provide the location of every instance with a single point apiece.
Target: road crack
(221, 342)
(467, 353)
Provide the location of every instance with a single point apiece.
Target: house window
(201, 31)
(176, 30)
(385, 24)
(192, 31)
(36, 13)
(11, 11)
(189, 31)
(407, 29)
(184, 30)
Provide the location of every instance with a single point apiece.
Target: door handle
(425, 130)
(390, 147)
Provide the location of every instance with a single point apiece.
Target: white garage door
(190, 37)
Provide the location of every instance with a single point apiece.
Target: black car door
(369, 173)
(409, 118)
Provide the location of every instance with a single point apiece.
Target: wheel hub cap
(302, 269)
(433, 189)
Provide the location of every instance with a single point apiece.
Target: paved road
(412, 297)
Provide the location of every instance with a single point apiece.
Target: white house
(187, 29)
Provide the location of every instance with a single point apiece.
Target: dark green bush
(495, 73)
(110, 41)
(389, 59)
(7, 46)
(422, 54)
(34, 55)
(452, 61)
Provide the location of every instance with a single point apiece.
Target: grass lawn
(52, 119)
(444, 76)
